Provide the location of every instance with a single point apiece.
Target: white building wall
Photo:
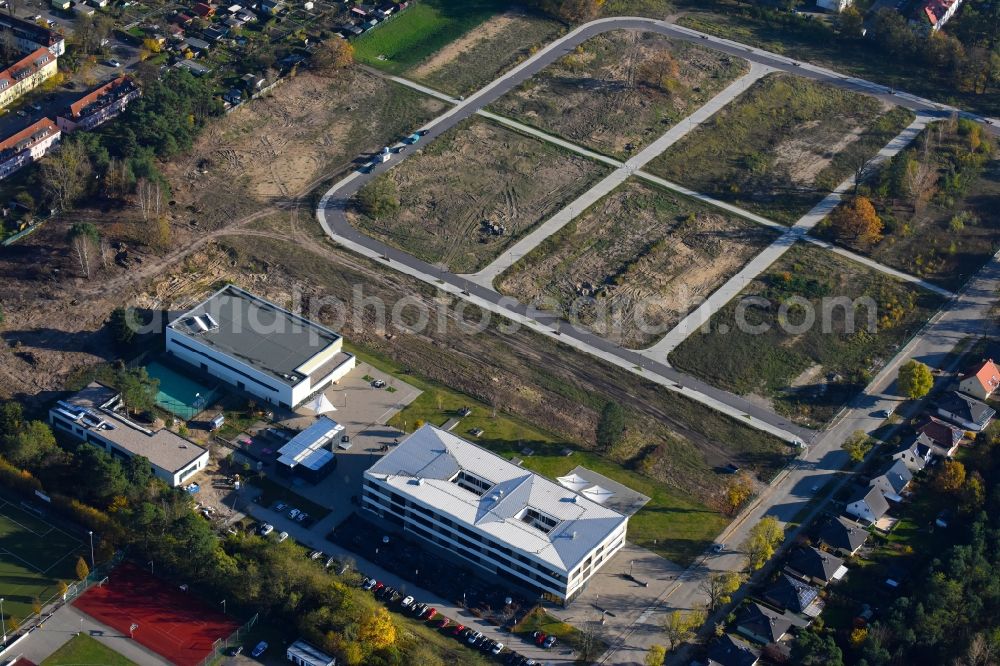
(222, 366)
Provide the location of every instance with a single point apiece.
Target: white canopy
(598, 494)
(574, 482)
(320, 405)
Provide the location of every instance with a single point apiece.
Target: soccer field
(34, 556)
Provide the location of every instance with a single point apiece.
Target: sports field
(174, 624)
(83, 650)
(420, 30)
(34, 556)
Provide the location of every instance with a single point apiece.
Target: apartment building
(29, 36)
(99, 106)
(26, 74)
(28, 145)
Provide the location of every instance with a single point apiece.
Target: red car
(444, 623)
(431, 613)
(459, 628)
(539, 637)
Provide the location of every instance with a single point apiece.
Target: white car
(407, 602)
(369, 583)
(473, 637)
(497, 649)
(282, 537)
(293, 514)
(266, 529)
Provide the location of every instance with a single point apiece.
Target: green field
(672, 524)
(420, 30)
(34, 557)
(83, 650)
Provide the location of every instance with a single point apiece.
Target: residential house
(28, 145)
(232, 9)
(359, 11)
(794, 595)
(893, 481)
(981, 381)
(233, 96)
(253, 82)
(83, 9)
(964, 410)
(195, 68)
(99, 106)
(931, 15)
(761, 624)
(29, 36)
(942, 437)
(369, 24)
(99, 4)
(215, 33)
(914, 455)
(246, 16)
(843, 536)
(62, 5)
(816, 565)
(867, 504)
(26, 74)
(204, 10)
(731, 651)
(182, 19)
(353, 30)
(197, 45)
(272, 7)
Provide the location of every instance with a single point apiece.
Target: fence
(221, 645)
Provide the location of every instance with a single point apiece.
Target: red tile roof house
(204, 10)
(28, 145)
(981, 381)
(99, 106)
(942, 437)
(931, 15)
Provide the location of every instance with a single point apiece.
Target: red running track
(175, 625)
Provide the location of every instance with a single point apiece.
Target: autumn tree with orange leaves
(856, 223)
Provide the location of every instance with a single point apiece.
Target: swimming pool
(178, 394)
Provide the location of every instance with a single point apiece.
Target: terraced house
(513, 523)
(99, 106)
(26, 74)
(29, 36)
(28, 145)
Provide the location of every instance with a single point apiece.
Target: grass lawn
(619, 91)
(82, 650)
(539, 620)
(672, 524)
(636, 262)
(34, 557)
(807, 372)
(418, 31)
(780, 147)
(476, 174)
(953, 227)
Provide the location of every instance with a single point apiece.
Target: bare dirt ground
(611, 95)
(636, 262)
(478, 174)
(485, 32)
(238, 172)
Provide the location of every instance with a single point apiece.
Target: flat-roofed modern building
(508, 520)
(258, 347)
(94, 416)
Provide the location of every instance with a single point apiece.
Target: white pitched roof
(425, 464)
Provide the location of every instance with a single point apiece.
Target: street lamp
(92, 564)
(3, 622)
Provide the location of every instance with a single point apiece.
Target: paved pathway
(701, 315)
(65, 623)
(623, 170)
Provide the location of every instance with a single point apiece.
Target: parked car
(419, 609)
(282, 537)
(406, 602)
(316, 554)
(431, 613)
(368, 583)
(280, 506)
(236, 651)
(260, 649)
(885, 413)
(113, 63)
(473, 637)
(378, 383)
(378, 587)
(539, 637)
(301, 518)
(497, 648)
(36, 106)
(266, 529)
(294, 513)
(549, 642)
(457, 631)
(444, 623)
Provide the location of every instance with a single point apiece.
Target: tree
(679, 626)
(950, 477)
(63, 589)
(739, 490)
(82, 570)
(573, 11)
(720, 586)
(137, 388)
(857, 445)
(811, 649)
(655, 656)
(660, 71)
(857, 223)
(123, 325)
(760, 543)
(333, 55)
(64, 175)
(915, 379)
(85, 241)
(29, 446)
(610, 426)
(377, 629)
(379, 198)
(11, 418)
